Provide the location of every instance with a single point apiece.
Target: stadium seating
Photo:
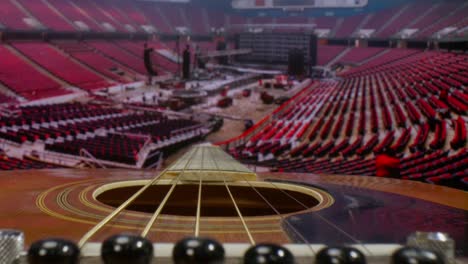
(24, 79)
(88, 65)
(216, 19)
(411, 101)
(73, 14)
(70, 127)
(93, 10)
(165, 129)
(405, 18)
(47, 16)
(236, 23)
(349, 25)
(100, 63)
(12, 17)
(133, 11)
(157, 21)
(4, 99)
(441, 19)
(459, 140)
(326, 53)
(114, 52)
(60, 65)
(369, 110)
(440, 135)
(160, 62)
(120, 18)
(40, 122)
(196, 20)
(358, 55)
(118, 148)
(379, 20)
(427, 17)
(173, 14)
(325, 22)
(10, 163)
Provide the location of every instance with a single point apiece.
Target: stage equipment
(275, 48)
(147, 57)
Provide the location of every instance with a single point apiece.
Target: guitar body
(313, 209)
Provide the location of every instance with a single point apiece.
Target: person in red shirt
(387, 164)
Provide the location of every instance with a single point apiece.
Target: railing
(133, 135)
(58, 159)
(186, 129)
(218, 53)
(162, 111)
(157, 164)
(160, 145)
(61, 158)
(143, 150)
(84, 153)
(244, 137)
(5, 143)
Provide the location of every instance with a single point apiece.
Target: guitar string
(282, 217)
(200, 184)
(96, 228)
(275, 186)
(252, 241)
(324, 219)
(266, 201)
(118, 210)
(276, 211)
(158, 211)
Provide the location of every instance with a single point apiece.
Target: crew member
(387, 164)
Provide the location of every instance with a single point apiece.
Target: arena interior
(365, 99)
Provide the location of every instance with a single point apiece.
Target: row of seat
(10, 163)
(61, 65)
(374, 107)
(113, 147)
(328, 123)
(72, 129)
(106, 133)
(165, 129)
(24, 79)
(96, 61)
(28, 119)
(130, 16)
(88, 65)
(441, 167)
(104, 16)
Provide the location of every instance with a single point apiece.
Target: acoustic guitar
(207, 194)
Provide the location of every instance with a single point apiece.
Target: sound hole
(216, 201)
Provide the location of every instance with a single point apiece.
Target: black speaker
(223, 60)
(186, 63)
(296, 62)
(313, 51)
(148, 63)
